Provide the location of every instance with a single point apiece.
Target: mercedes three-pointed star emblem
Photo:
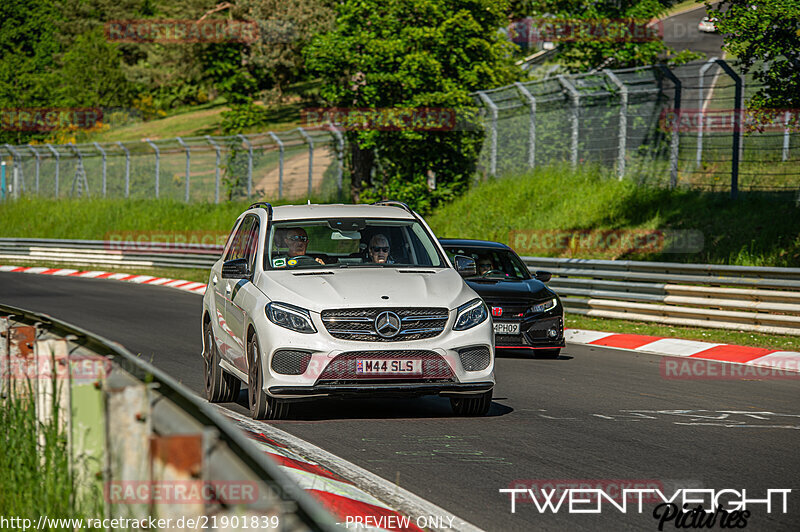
(387, 324)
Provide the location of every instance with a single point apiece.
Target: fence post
(80, 173)
(339, 155)
(188, 161)
(675, 143)
(310, 157)
(785, 151)
(493, 153)
(103, 152)
(16, 170)
(127, 168)
(2, 180)
(623, 122)
(216, 168)
(249, 164)
(532, 124)
(576, 105)
(737, 125)
(58, 161)
(38, 163)
(701, 105)
(158, 162)
(280, 162)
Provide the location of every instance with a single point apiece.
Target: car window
(238, 247)
(492, 263)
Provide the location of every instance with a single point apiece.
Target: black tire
(474, 406)
(262, 406)
(548, 353)
(221, 386)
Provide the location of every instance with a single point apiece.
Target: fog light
(552, 333)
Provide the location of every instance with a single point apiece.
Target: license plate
(506, 328)
(388, 367)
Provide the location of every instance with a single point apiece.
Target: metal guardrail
(133, 431)
(749, 298)
(110, 253)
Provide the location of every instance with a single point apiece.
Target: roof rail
(393, 203)
(263, 205)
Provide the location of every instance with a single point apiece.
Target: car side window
(251, 246)
(237, 249)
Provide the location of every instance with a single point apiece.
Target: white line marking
(581, 336)
(675, 347)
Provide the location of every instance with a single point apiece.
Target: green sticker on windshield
(278, 263)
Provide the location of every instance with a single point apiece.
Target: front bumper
(534, 335)
(408, 389)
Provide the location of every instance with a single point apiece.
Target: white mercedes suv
(339, 301)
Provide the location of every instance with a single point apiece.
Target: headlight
(544, 307)
(470, 314)
(291, 317)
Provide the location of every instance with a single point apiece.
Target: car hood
(532, 289)
(364, 287)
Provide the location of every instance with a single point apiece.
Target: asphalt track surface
(681, 33)
(593, 414)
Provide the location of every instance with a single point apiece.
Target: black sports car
(527, 315)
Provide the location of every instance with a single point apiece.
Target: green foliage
(92, 66)
(243, 117)
(616, 47)
(411, 54)
(764, 35)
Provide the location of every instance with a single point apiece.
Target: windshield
(350, 242)
(495, 264)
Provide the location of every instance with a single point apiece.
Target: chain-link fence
(676, 126)
(293, 164)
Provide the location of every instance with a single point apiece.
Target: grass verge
(721, 336)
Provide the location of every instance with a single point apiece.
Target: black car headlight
(545, 306)
(470, 314)
(294, 318)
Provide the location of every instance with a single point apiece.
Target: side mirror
(465, 266)
(235, 269)
(543, 276)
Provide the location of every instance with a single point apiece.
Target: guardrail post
(785, 151)
(16, 171)
(249, 164)
(675, 143)
(339, 155)
(531, 99)
(216, 168)
(38, 164)
(158, 162)
(280, 162)
(575, 97)
(623, 122)
(188, 161)
(127, 168)
(701, 105)
(310, 142)
(493, 146)
(737, 125)
(103, 152)
(58, 161)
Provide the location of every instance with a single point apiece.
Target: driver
(296, 239)
(485, 265)
(379, 249)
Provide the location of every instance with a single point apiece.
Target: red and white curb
(337, 485)
(675, 347)
(180, 284)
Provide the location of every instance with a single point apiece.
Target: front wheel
(221, 386)
(262, 406)
(472, 406)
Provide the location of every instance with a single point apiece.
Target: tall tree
(411, 54)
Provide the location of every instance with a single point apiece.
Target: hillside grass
(755, 230)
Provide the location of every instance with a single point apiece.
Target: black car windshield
(495, 264)
(350, 243)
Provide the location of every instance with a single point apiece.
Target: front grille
(359, 324)
(509, 339)
(290, 362)
(475, 358)
(343, 367)
(511, 308)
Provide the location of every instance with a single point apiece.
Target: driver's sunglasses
(297, 238)
(380, 249)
